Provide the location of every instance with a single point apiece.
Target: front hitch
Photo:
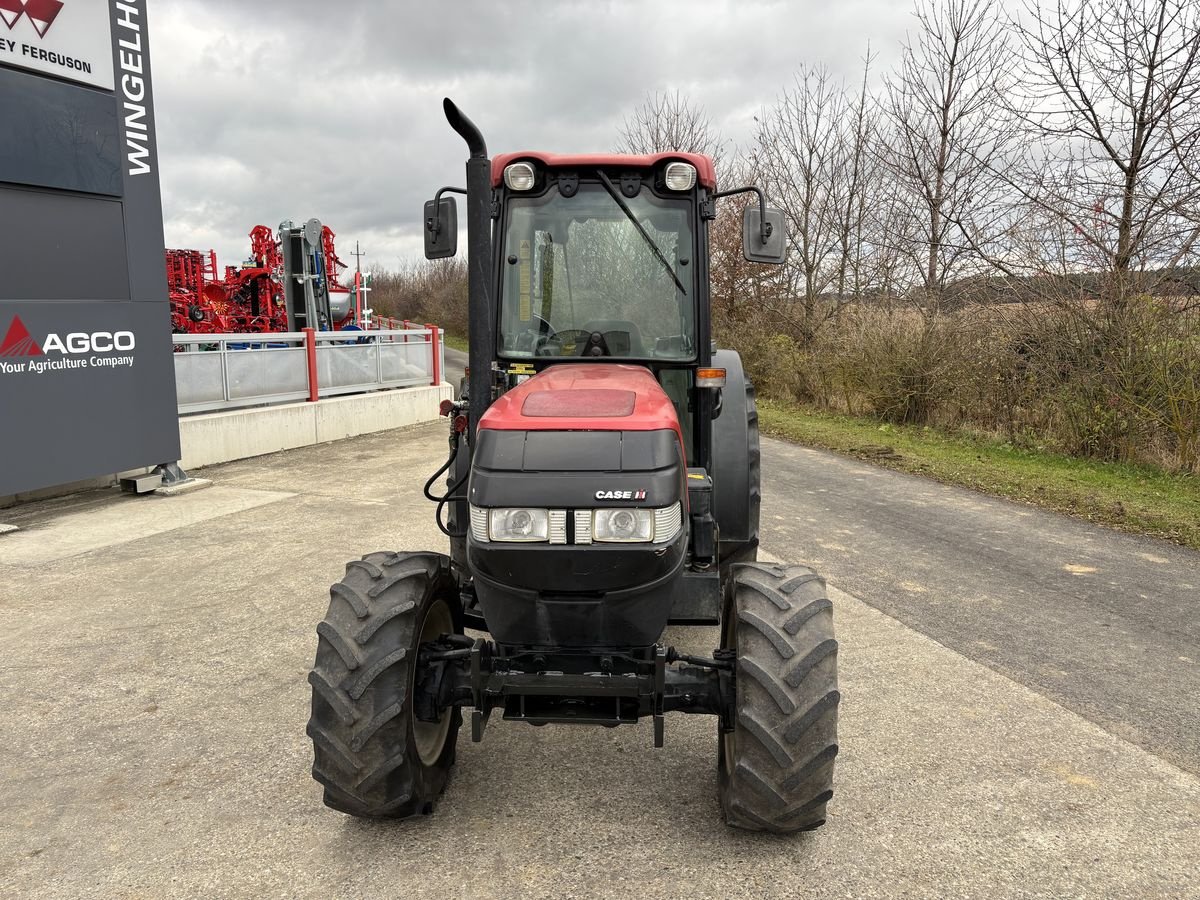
(544, 687)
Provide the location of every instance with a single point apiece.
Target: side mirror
(441, 228)
(764, 240)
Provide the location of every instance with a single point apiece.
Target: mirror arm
(434, 225)
(766, 229)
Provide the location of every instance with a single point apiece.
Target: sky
(289, 109)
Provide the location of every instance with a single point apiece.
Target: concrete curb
(225, 436)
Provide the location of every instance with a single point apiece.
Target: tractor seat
(622, 336)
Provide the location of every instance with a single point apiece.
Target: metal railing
(228, 371)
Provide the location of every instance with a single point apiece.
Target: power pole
(359, 288)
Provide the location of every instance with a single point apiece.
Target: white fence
(227, 371)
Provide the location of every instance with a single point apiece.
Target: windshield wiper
(612, 192)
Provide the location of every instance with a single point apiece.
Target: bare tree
(669, 121)
(1114, 108)
(856, 188)
(945, 139)
(809, 155)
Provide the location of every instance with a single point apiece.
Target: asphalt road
(1107, 624)
(155, 650)
(456, 365)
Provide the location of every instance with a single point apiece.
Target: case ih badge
(620, 495)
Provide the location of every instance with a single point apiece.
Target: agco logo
(41, 13)
(18, 342)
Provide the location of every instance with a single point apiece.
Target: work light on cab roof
(519, 176)
(680, 176)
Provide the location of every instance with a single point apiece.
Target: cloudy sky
(296, 108)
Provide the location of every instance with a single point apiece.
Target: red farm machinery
(290, 281)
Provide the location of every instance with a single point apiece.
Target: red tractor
(602, 484)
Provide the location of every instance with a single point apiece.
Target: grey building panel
(58, 246)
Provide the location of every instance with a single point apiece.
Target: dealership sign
(69, 39)
(57, 353)
(87, 372)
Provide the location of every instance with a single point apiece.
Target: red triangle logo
(10, 11)
(42, 14)
(18, 341)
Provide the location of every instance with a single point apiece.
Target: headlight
(620, 526)
(519, 525)
(623, 525)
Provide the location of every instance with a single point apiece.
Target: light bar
(667, 522)
(519, 176)
(479, 524)
(680, 176)
(558, 526)
(583, 526)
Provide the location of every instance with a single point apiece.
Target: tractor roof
(705, 172)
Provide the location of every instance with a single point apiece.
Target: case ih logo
(18, 341)
(620, 495)
(42, 13)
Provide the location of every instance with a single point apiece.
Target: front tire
(776, 762)
(370, 752)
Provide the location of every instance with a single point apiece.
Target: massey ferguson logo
(98, 349)
(41, 13)
(620, 495)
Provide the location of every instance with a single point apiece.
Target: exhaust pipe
(480, 313)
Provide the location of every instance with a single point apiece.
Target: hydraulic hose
(450, 492)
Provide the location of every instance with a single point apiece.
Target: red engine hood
(585, 397)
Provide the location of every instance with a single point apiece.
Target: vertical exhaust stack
(481, 318)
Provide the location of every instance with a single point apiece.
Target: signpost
(87, 384)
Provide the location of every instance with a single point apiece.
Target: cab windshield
(574, 266)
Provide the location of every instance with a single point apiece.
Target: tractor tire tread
(780, 776)
(360, 687)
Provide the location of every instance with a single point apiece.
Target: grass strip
(455, 342)
(1140, 499)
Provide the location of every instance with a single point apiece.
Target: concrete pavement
(1105, 623)
(155, 658)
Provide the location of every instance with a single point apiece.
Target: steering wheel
(557, 341)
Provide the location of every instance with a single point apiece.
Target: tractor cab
(604, 258)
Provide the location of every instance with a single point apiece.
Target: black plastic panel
(572, 451)
(500, 449)
(731, 456)
(58, 135)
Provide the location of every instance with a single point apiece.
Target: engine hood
(585, 397)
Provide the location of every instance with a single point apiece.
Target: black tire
(776, 764)
(369, 752)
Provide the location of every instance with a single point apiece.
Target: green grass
(1135, 498)
(455, 342)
